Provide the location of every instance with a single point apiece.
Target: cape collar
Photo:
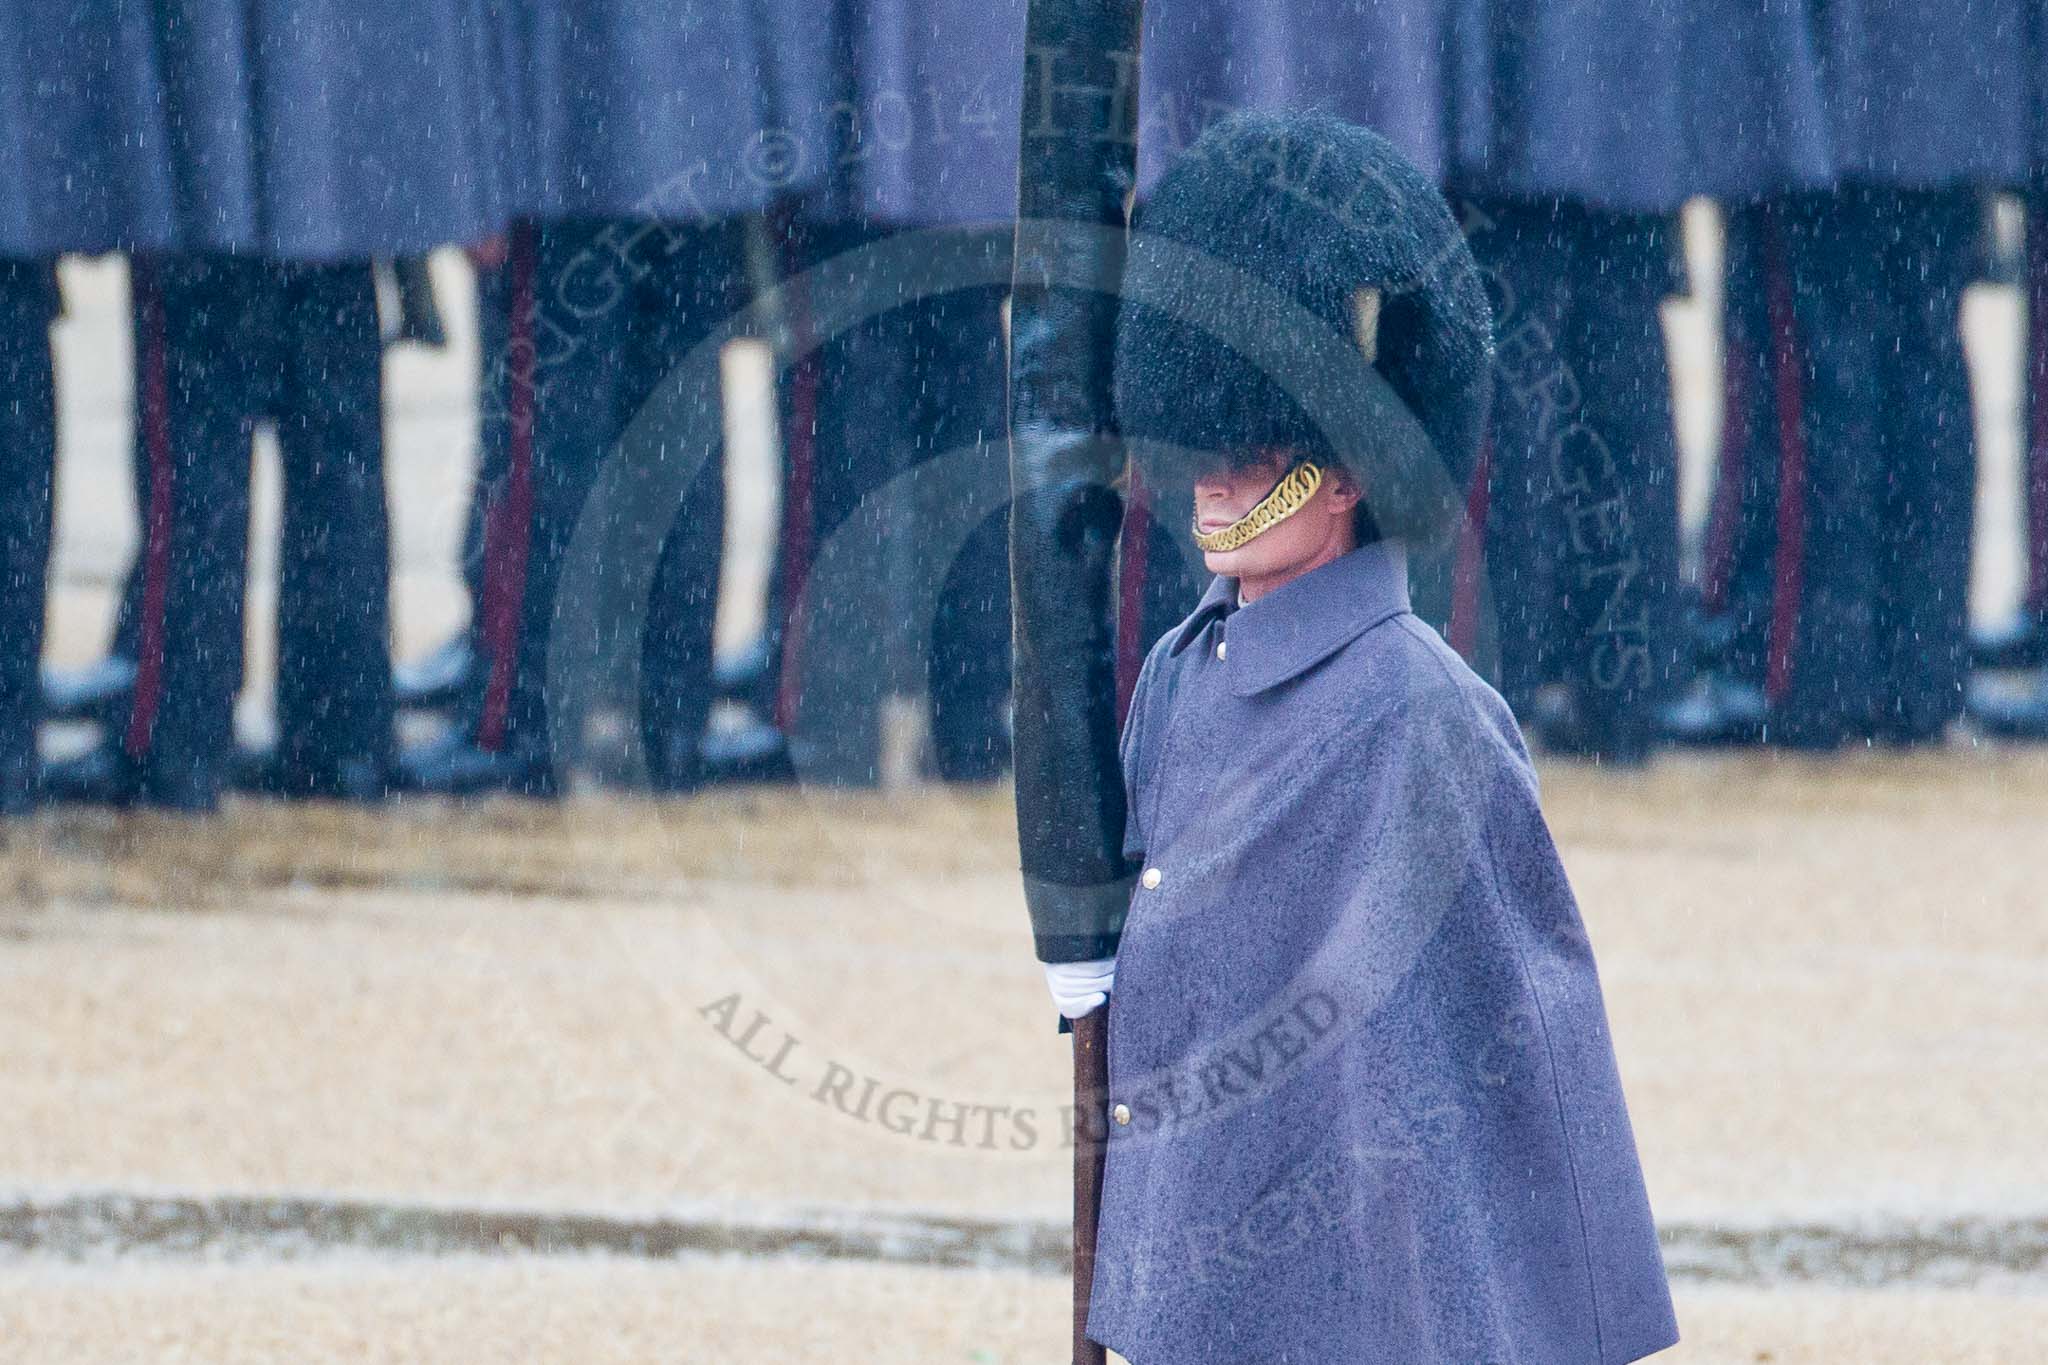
(1303, 622)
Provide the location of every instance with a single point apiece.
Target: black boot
(193, 787)
(1716, 710)
(257, 772)
(674, 764)
(456, 766)
(755, 752)
(1569, 728)
(104, 775)
(2022, 715)
(101, 776)
(97, 691)
(358, 779)
(2020, 642)
(441, 679)
(746, 677)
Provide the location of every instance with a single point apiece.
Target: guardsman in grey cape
(1363, 1103)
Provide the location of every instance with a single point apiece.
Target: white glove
(1078, 987)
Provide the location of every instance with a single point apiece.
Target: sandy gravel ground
(1826, 986)
(597, 1312)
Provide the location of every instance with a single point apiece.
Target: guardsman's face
(1322, 525)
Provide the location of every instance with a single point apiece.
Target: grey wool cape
(1363, 1103)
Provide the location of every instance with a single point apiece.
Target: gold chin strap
(1289, 496)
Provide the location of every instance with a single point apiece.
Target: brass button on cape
(1151, 879)
(1122, 1113)
(1221, 646)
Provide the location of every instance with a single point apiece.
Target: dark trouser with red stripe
(1845, 544)
(914, 399)
(912, 382)
(28, 447)
(493, 338)
(1582, 505)
(222, 341)
(599, 311)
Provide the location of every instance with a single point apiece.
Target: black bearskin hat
(1294, 281)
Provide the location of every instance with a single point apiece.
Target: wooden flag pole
(1091, 1085)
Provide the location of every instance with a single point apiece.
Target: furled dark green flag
(1077, 163)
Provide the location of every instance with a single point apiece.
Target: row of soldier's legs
(28, 439)
(222, 341)
(601, 311)
(861, 406)
(1582, 506)
(1840, 553)
(609, 309)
